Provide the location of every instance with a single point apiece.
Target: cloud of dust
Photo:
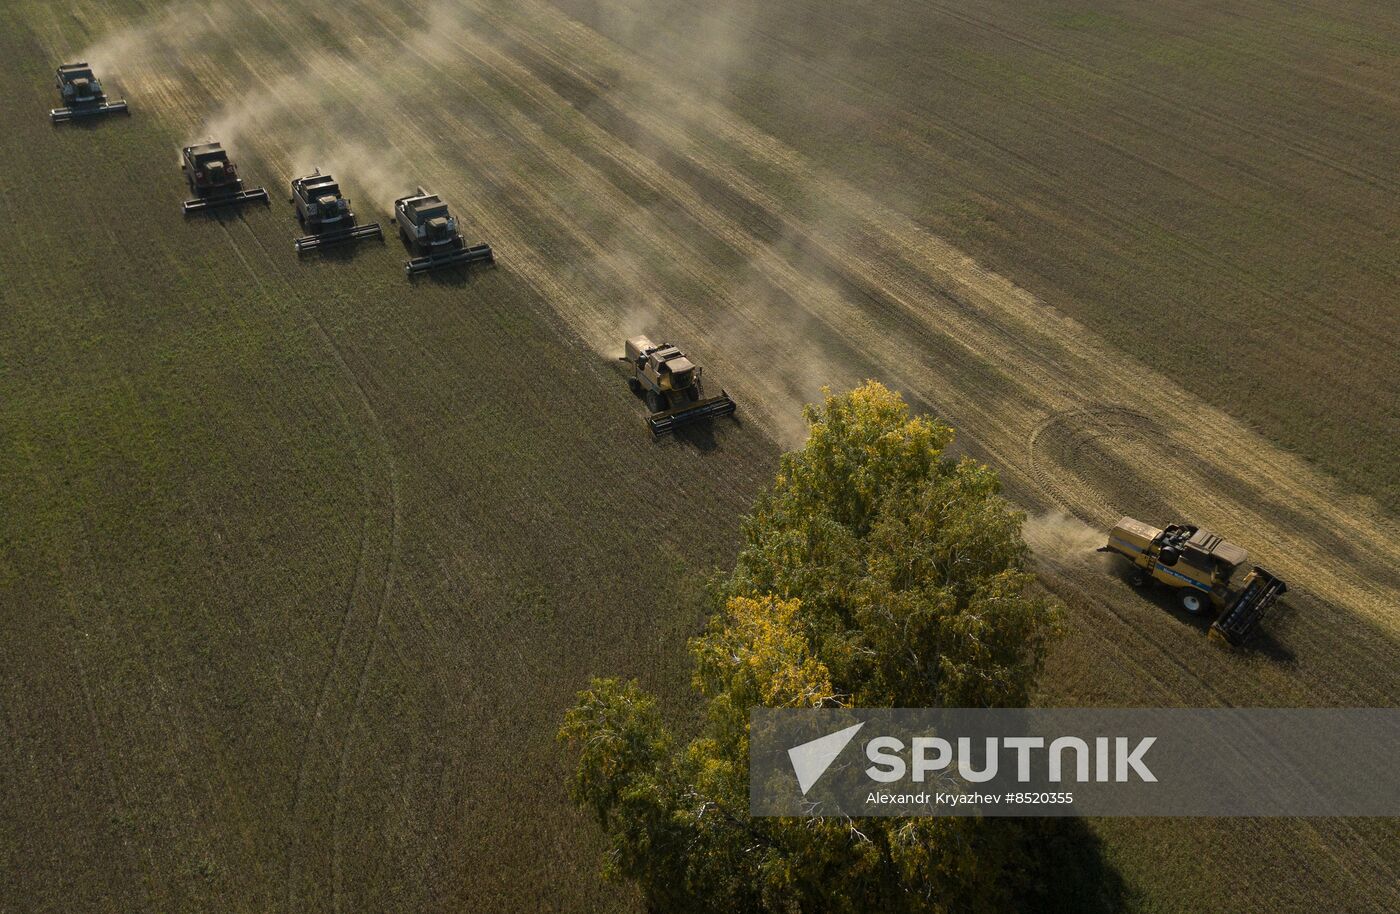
(175, 31)
(1061, 538)
(786, 348)
(314, 103)
(382, 173)
(443, 23)
(339, 110)
(255, 110)
(318, 110)
(641, 318)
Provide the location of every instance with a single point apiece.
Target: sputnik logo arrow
(810, 760)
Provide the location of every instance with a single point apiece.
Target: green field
(300, 562)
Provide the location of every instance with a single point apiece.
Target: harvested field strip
(1209, 276)
(1050, 357)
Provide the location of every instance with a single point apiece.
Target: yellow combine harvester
(1200, 564)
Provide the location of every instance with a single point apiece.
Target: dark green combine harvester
(82, 95)
(670, 384)
(214, 180)
(430, 232)
(326, 214)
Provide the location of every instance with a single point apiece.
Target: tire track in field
(350, 636)
(329, 69)
(369, 640)
(358, 628)
(362, 617)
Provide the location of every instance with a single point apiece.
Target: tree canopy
(877, 571)
(909, 565)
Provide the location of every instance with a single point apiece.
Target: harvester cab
(82, 95)
(326, 214)
(213, 179)
(1201, 566)
(430, 232)
(670, 384)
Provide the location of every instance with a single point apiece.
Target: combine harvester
(670, 383)
(431, 234)
(214, 180)
(1200, 564)
(82, 95)
(326, 214)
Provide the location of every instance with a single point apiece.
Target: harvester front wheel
(654, 402)
(1193, 602)
(635, 386)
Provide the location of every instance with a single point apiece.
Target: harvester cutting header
(82, 95)
(670, 383)
(1201, 565)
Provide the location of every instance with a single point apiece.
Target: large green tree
(876, 572)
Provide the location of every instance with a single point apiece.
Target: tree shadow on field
(1064, 870)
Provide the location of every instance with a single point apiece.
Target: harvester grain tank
(324, 212)
(432, 236)
(214, 180)
(1201, 566)
(670, 384)
(82, 95)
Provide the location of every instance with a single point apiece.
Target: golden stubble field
(302, 553)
